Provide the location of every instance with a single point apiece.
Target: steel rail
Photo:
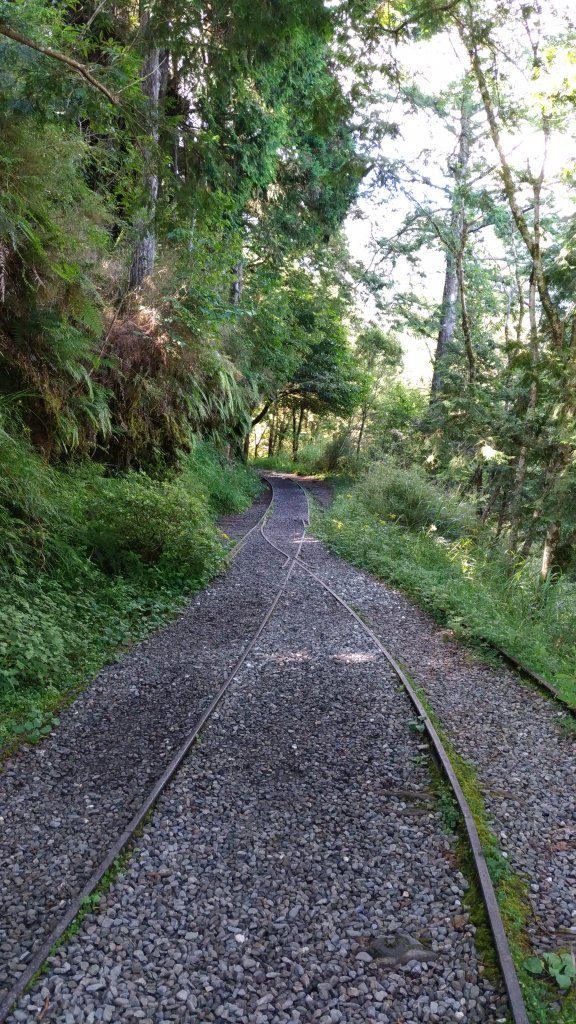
(508, 970)
(123, 841)
(534, 677)
(240, 543)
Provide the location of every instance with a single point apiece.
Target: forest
(184, 297)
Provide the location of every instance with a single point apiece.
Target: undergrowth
(92, 563)
(473, 589)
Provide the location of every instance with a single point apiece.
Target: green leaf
(553, 962)
(534, 965)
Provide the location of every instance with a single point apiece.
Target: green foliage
(448, 808)
(559, 966)
(472, 587)
(408, 498)
(226, 486)
(36, 725)
(247, 198)
(92, 563)
(133, 523)
(394, 423)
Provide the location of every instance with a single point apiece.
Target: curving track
(297, 840)
(70, 805)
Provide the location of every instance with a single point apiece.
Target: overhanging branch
(81, 69)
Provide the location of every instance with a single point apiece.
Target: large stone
(398, 948)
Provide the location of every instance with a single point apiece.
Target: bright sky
(435, 64)
(425, 144)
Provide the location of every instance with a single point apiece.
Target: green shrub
(277, 463)
(91, 563)
(133, 522)
(408, 498)
(474, 589)
(227, 486)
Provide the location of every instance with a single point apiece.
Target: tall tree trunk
(454, 246)
(522, 465)
(281, 434)
(448, 320)
(466, 328)
(272, 434)
(364, 414)
(237, 284)
(296, 446)
(154, 82)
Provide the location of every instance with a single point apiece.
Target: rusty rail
(122, 842)
(508, 970)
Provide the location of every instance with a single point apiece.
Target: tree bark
(298, 431)
(448, 320)
(154, 83)
(466, 329)
(364, 414)
(522, 465)
(450, 295)
(261, 414)
(237, 284)
(272, 434)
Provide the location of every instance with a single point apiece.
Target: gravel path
(512, 735)
(237, 526)
(297, 841)
(63, 801)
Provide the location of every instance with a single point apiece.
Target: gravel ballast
(297, 868)
(63, 801)
(512, 735)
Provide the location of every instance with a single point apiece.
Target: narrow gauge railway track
(275, 820)
(506, 962)
(122, 842)
(534, 677)
(293, 561)
(240, 543)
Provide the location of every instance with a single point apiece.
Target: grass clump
(91, 563)
(276, 463)
(474, 589)
(408, 498)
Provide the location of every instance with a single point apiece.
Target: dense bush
(133, 522)
(407, 497)
(91, 563)
(226, 486)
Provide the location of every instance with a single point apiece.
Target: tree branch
(81, 69)
(263, 412)
(530, 240)
(413, 19)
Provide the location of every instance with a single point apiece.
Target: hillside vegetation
(91, 563)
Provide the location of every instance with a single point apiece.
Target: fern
(87, 312)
